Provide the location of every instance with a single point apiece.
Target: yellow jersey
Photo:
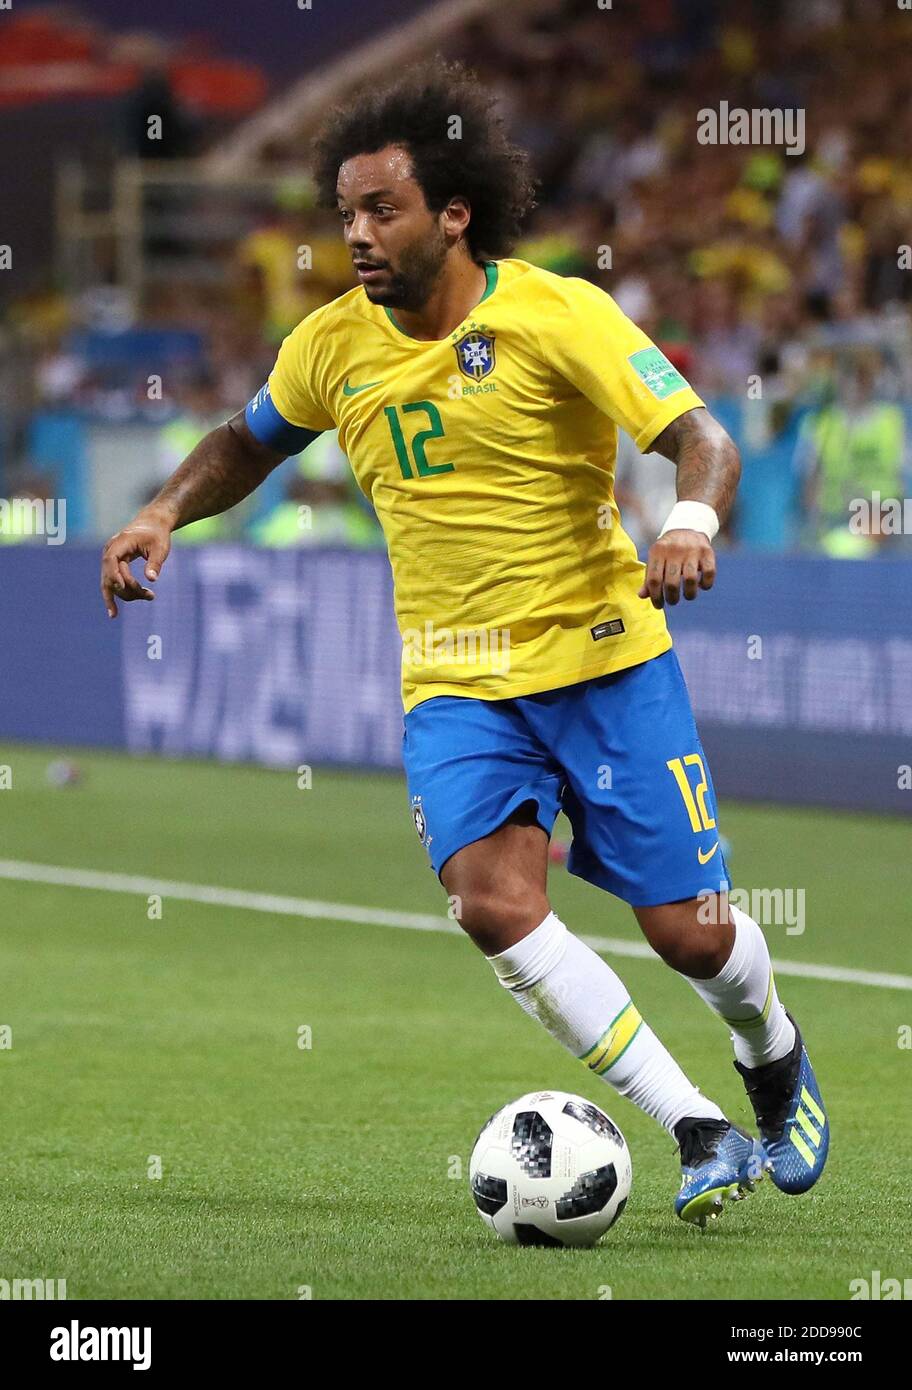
(489, 457)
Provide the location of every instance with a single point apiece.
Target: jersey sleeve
(589, 341)
(289, 412)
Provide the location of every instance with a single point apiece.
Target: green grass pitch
(336, 1167)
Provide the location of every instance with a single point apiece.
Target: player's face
(397, 244)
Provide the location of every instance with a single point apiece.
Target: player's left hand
(678, 560)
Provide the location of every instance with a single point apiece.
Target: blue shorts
(619, 754)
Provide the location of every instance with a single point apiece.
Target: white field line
(98, 881)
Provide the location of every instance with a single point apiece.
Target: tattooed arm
(224, 468)
(708, 470)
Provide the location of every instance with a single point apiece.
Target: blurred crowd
(779, 277)
(737, 253)
(777, 280)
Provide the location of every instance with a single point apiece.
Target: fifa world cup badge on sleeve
(657, 374)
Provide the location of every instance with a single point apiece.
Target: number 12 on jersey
(419, 441)
(694, 801)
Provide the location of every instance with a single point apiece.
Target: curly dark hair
(416, 112)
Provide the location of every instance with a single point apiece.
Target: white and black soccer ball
(550, 1169)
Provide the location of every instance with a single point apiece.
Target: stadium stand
(777, 278)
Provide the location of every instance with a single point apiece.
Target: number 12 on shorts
(695, 799)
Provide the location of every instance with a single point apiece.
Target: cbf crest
(475, 353)
(420, 822)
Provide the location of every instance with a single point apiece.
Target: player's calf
(723, 954)
(770, 1056)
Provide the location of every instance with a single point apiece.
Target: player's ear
(456, 215)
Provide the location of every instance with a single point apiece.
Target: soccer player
(478, 399)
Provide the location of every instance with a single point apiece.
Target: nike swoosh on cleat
(705, 858)
(353, 390)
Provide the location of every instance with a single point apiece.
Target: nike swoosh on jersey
(353, 390)
(705, 858)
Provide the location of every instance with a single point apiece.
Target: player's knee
(700, 956)
(693, 948)
(496, 917)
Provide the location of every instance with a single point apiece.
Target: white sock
(744, 995)
(582, 1003)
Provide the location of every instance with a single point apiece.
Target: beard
(420, 267)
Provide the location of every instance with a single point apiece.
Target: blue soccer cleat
(793, 1124)
(718, 1162)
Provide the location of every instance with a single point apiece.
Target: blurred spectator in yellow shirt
(295, 263)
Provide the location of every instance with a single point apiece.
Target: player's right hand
(147, 538)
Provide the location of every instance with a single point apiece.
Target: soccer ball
(550, 1169)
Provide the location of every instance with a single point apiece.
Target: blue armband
(272, 429)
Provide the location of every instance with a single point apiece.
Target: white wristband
(692, 516)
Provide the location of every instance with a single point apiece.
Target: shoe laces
(700, 1140)
(770, 1090)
